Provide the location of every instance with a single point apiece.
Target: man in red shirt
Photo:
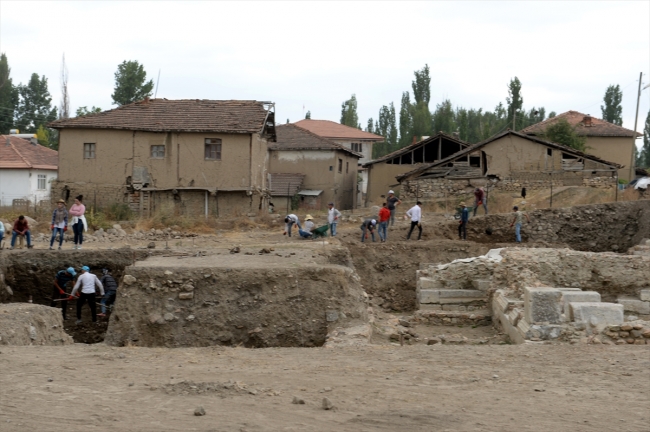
(21, 228)
(384, 216)
(480, 198)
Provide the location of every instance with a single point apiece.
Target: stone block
(481, 284)
(577, 296)
(429, 283)
(645, 295)
(597, 313)
(451, 296)
(632, 304)
(542, 305)
(428, 296)
(544, 332)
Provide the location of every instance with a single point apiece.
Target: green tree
(83, 111)
(34, 105)
(371, 126)
(43, 136)
(643, 159)
(444, 118)
(308, 115)
(561, 132)
(515, 103)
(386, 127)
(131, 83)
(405, 120)
(422, 86)
(8, 96)
(552, 114)
(612, 110)
(349, 116)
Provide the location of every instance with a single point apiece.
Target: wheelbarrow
(320, 232)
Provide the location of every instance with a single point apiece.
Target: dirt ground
(374, 388)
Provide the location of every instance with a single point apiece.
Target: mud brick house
(352, 138)
(199, 157)
(508, 161)
(321, 170)
(27, 170)
(382, 171)
(604, 140)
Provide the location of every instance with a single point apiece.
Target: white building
(27, 170)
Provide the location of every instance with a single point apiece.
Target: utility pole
(636, 118)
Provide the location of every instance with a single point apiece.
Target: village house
(603, 139)
(27, 170)
(382, 171)
(195, 157)
(508, 162)
(311, 170)
(355, 139)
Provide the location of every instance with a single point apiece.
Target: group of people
(305, 229)
(386, 217)
(87, 285)
(517, 221)
(59, 225)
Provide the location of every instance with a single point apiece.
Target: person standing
(517, 221)
(59, 223)
(333, 216)
(480, 198)
(392, 202)
(464, 218)
(108, 281)
(87, 281)
(368, 225)
(384, 216)
(415, 213)
(305, 231)
(2, 232)
(79, 224)
(21, 228)
(62, 278)
(289, 221)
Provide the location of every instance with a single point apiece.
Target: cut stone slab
(542, 305)
(450, 296)
(645, 295)
(597, 313)
(481, 284)
(429, 283)
(577, 296)
(632, 304)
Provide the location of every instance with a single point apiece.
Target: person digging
(87, 282)
(462, 223)
(61, 280)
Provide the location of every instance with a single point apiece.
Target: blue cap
(71, 271)
(85, 268)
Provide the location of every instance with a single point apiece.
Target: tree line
(28, 107)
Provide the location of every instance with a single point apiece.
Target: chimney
(415, 139)
(586, 120)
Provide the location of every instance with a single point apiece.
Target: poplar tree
(8, 96)
(515, 102)
(643, 159)
(349, 116)
(612, 110)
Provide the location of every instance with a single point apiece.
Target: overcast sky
(316, 54)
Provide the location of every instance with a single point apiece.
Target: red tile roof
(18, 153)
(581, 123)
(333, 130)
(183, 115)
(292, 137)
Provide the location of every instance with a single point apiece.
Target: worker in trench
(61, 280)
(110, 285)
(87, 282)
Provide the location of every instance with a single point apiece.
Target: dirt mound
(30, 324)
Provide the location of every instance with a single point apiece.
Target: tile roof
(18, 153)
(411, 174)
(577, 120)
(333, 130)
(416, 145)
(183, 115)
(292, 137)
(285, 184)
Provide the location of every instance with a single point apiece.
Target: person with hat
(289, 221)
(415, 213)
(62, 278)
(368, 225)
(87, 282)
(59, 223)
(392, 202)
(79, 224)
(384, 216)
(517, 221)
(305, 230)
(21, 228)
(333, 216)
(462, 223)
(108, 281)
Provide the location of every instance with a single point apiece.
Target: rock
(327, 404)
(646, 333)
(433, 341)
(645, 295)
(9, 290)
(199, 411)
(169, 317)
(158, 232)
(297, 401)
(151, 245)
(626, 327)
(185, 296)
(235, 250)
(265, 251)
(404, 322)
(631, 318)
(32, 222)
(117, 226)
(331, 315)
(639, 342)
(32, 332)
(129, 280)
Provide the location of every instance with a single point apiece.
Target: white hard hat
(390, 192)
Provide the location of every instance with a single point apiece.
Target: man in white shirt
(305, 231)
(333, 216)
(87, 281)
(415, 213)
(289, 220)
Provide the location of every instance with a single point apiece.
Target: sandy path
(375, 388)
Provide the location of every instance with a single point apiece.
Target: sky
(312, 56)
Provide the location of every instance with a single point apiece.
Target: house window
(157, 152)
(347, 167)
(331, 168)
(41, 181)
(212, 149)
(549, 152)
(357, 147)
(89, 150)
(340, 165)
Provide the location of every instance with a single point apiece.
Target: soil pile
(30, 324)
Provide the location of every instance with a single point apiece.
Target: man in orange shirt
(384, 216)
